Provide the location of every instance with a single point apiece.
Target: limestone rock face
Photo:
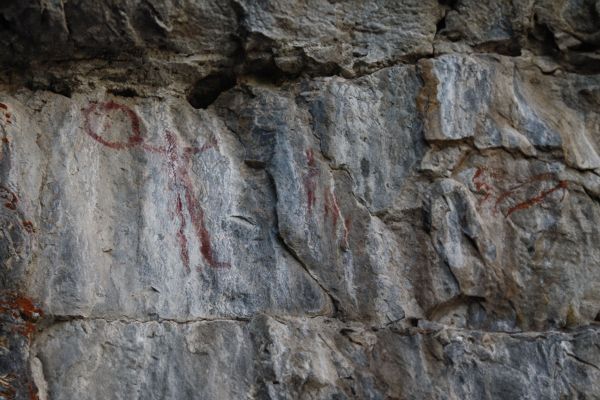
(300, 200)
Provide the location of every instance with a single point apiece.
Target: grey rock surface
(310, 358)
(300, 200)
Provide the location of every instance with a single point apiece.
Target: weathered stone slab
(503, 102)
(347, 36)
(313, 358)
(140, 206)
(299, 200)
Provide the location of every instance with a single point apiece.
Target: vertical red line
(184, 253)
(181, 177)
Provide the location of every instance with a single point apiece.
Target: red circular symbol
(106, 109)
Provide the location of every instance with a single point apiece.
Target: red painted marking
(487, 190)
(19, 316)
(310, 157)
(310, 195)
(482, 186)
(11, 201)
(184, 253)
(10, 198)
(182, 178)
(335, 209)
(197, 216)
(331, 205)
(5, 140)
(210, 144)
(27, 308)
(511, 191)
(3, 106)
(22, 311)
(8, 391)
(172, 162)
(347, 223)
(310, 184)
(28, 225)
(539, 198)
(178, 174)
(99, 109)
(33, 391)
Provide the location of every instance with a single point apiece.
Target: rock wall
(300, 199)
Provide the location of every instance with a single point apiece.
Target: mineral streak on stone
(18, 317)
(300, 199)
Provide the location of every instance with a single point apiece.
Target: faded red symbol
(18, 318)
(5, 119)
(9, 200)
(482, 186)
(6, 115)
(516, 198)
(28, 225)
(177, 159)
(20, 312)
(331, 208)
(310, 182)
(9, 392)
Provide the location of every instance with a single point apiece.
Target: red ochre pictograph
(6, 116)
(497, 198)
(331, 208)
(5, 119)
(9, 200)
(310, 182)
(177, 159)
(18, 316)
(21, 313)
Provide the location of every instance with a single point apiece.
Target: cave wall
(300, 199)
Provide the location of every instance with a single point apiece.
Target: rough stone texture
(311, 358)
(300, 200)
(347, 36)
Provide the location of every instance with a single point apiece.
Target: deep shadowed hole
(265, 71)
(510, 48)
(55, 86)
(207, 89)
(542, 34)
(440, 25)
(127, 92)
(448, 3)
(591, 97)
(61, 88)
(4, 24)
(585, 46)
